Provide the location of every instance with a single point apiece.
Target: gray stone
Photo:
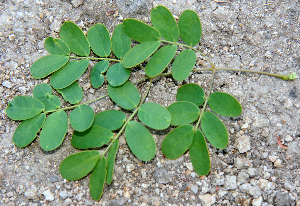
(63, 194)
(133, 7)
(54, 178)
(76, 3)
(242, 177)
(230, 182)
(48, 195)
(283, 198)
(31, 193)
(242, 163)
(194, 189)
(243, 144)
(161, 175)
(119, 202)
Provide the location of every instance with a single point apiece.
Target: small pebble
(48, 195)
(258, 201)
(277, 163)
(7, 84)
(161, 175)
(208, 199)
(130, 167)
(243, 144)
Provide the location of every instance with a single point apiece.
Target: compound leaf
(160, 60)
(72, 93)
(120, 42)
(54, 130)
(178, 141)
(93, 137)
(97, 78)
(164, 22)
(191, 93)
(56, 46)
(190, 27)
(224, 104)
(110, 119)
(99, 40)
(97, 179)
(43, 92)
(24, 107)
(183, 64)
(154, 115)
(199, 154)
(78, 165)
(139, 53)
(27, 130)
(183, 113)
(111, 156)
(126, 96)
(139, 31)
(214, 130)
(68, 73)
(140, 141)
(117, 75)
(73, 36)
(82, 117)
(47, 65)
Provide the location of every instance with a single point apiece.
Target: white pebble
(48, 195)
(208, 199)
(257, 202)
(288, 138)
(130, 167)
(243, 144)
(277, 163)
(7, 84)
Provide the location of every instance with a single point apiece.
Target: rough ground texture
(257, 35)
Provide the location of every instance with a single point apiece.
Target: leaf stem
(96, 58)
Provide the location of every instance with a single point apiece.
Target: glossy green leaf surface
(43, 92)
(72, 93)
(183, 113)
(24, 107)
(120, 42)
(126, 96)
(82, 117)
(54, 130)
(139, 31)
(47, 65)
(224, 104)
(111, 156)
(178, 141)
(117, 75)
(139, 53)
(27, 130)
(110, 119)
(97, 179)
(68, 73)
(214, 130)
(183, 64)
(78, 165)
(199, 154)
(191, 93)
(140, 141)
(94, 137)
(154, 115)
(56, 46)
(164, 22)
(160, 60)
(99, 40)
(190, 27)
(73, 36)
(97, 78)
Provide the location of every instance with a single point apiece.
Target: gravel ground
(258, 35)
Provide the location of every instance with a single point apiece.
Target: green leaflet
(199, 154)
(214, 130)
(110, 119)
(117, 75)
(82, 117)
(68, 73)
(190, 27)
(73, 36)
(178, 141)
(78, 165)
(43, 92)
(99, 40)
(97, 179)
(154, 115)
(191, 93)
(57, 46)
(126, 96)
(224, 104)
(140, 141)
(47, 65)
(111, 156)
(183, 113)
(94, 137)
(140, 53)
(183, 64)
(54, 130)
(164, 22)
(97, 78)
(139, 31)
(160, 60)
(120, 42)
(72, 93)
(27, 130)
(24, 107)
